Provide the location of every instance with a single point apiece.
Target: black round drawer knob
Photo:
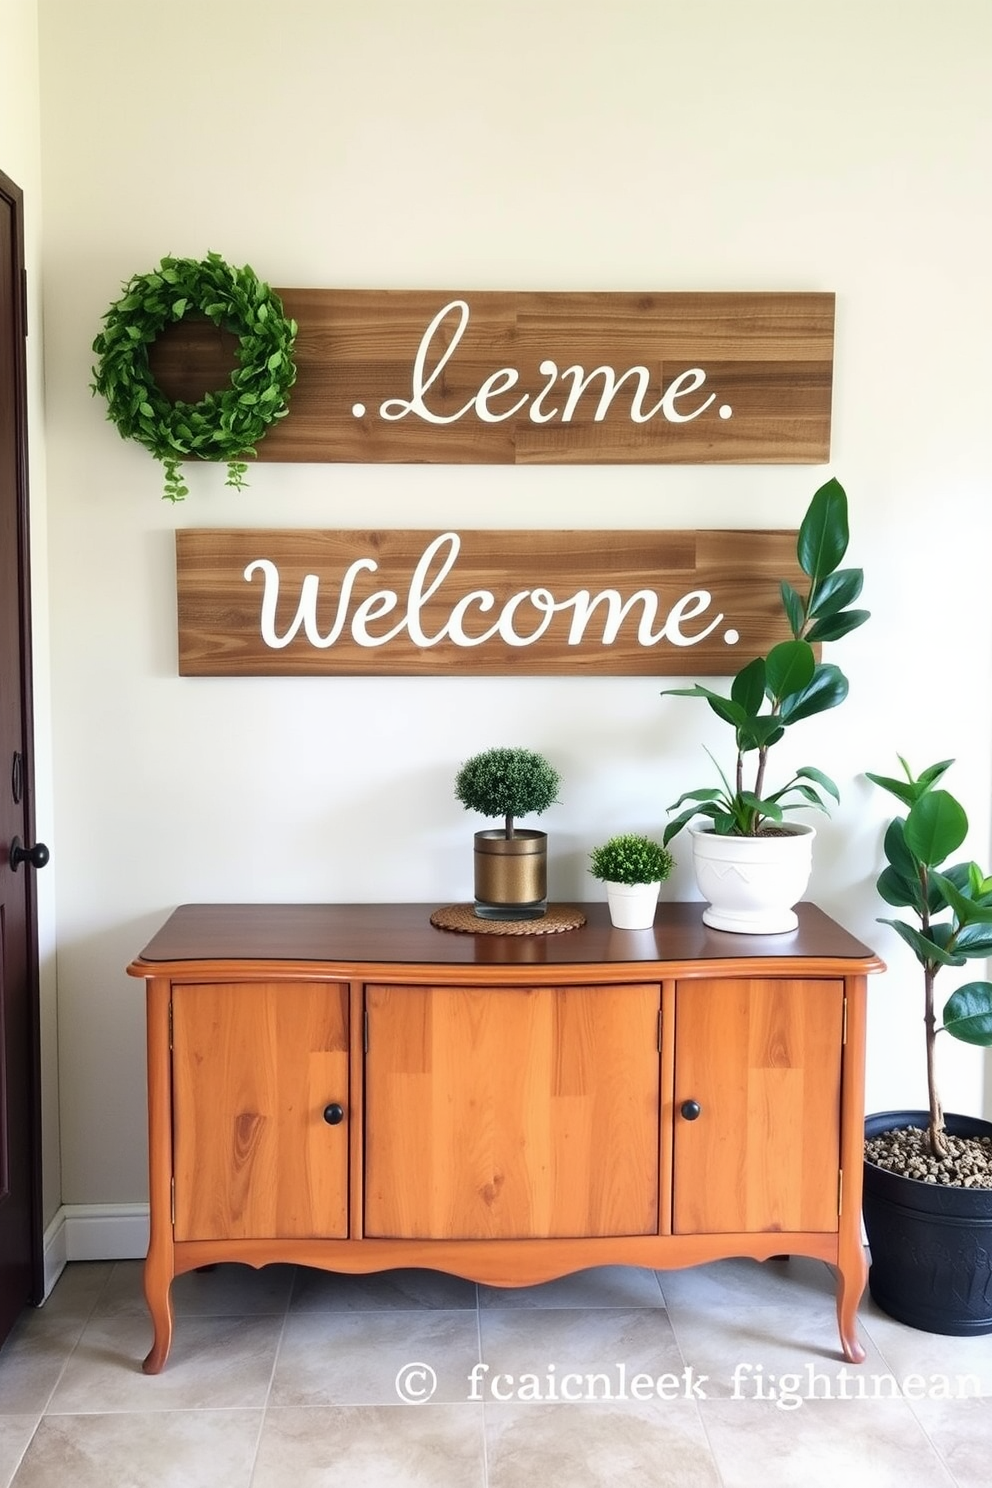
(334, 1114)
(691, 1110)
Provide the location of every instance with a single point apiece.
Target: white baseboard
(94, 1232)
(53, 1252)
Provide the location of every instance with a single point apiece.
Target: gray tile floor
(726, 1374)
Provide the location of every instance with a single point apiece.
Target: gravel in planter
(907, 1152)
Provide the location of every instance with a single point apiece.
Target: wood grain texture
(254, 1066)
(512, 1113)
(334, 942)
(566, 1040)
(768, 357)
(642, 623)
(762, 1058)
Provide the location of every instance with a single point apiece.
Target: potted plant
(511, 864)
(746, 840)
(927, 1176)
(633, 869)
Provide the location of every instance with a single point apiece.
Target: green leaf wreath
(224, 425)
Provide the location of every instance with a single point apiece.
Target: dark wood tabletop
(362, 934)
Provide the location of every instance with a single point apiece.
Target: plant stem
(508, 826)
(936, 1133)
(759, 782)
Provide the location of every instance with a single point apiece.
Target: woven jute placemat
(462, 917)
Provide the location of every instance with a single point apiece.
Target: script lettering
(514, 623)
(505, 379)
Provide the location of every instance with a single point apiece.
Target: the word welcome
(522, 619)
(484, 603)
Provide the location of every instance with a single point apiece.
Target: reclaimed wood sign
(530, 378)
(421, 603)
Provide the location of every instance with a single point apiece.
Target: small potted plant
(633, 869)
(511, 863)
(927, 1176)
(745, 841)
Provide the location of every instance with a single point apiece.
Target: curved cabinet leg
(158, 1295)
(851, 1280)
(160, 1261)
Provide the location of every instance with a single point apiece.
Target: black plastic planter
(931, 1245)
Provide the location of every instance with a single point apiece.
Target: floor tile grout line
(714, 1461)
(24, 1450)
(952, 1475)
(277, 1352)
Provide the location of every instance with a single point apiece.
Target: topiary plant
(631, 859)
(507, 783)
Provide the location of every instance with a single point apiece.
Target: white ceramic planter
(752, 883)
(632, 906)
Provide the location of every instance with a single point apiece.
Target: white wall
(20, 159)
(635, 144)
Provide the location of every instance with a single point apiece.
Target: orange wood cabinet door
(255, 1065)
(506, 1113)
(762, 1061)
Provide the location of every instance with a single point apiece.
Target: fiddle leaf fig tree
(772, 693)
(952, 907)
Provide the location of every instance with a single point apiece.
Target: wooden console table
(347, 1087)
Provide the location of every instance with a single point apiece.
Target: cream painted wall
(739, 144)
(20, 159)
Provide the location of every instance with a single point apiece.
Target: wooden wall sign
(529, 378)
(424, 603)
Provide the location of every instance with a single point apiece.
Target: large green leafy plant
(772, 693)
(952, 908)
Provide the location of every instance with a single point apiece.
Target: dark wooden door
(20, 1241)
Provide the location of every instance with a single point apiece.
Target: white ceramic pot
(632, 906)
(752, 883)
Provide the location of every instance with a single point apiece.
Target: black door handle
(37, 856)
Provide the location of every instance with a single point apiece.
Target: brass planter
(511, 875)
